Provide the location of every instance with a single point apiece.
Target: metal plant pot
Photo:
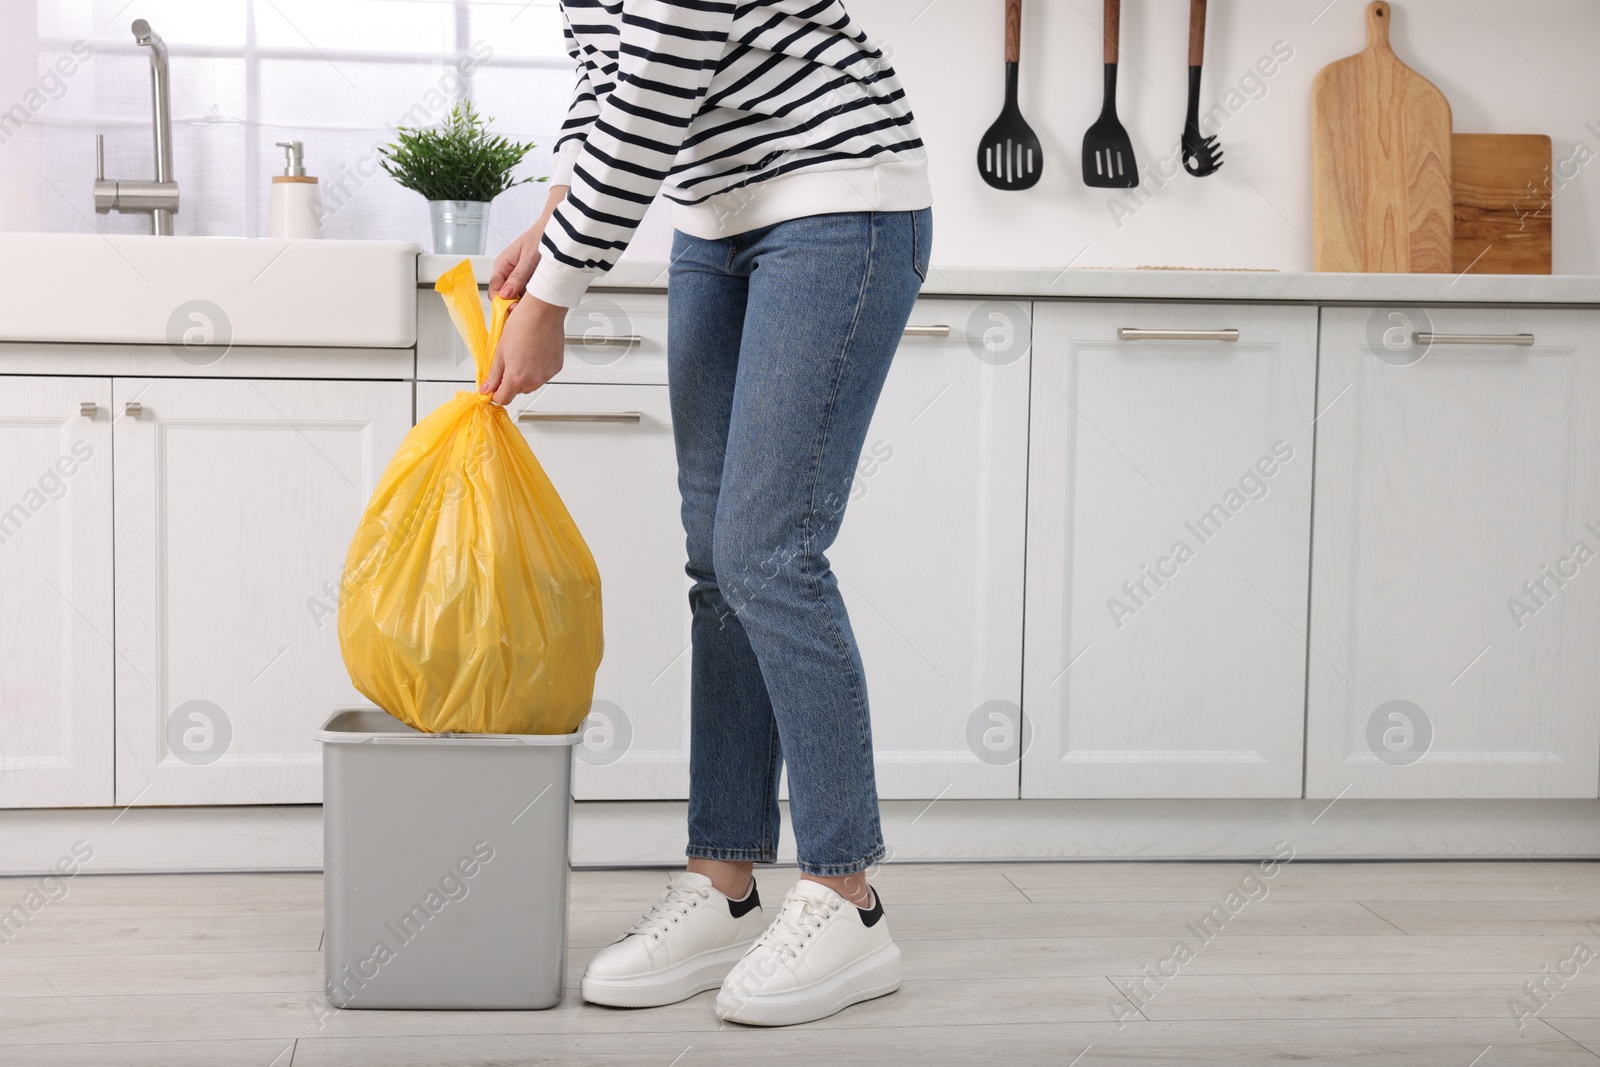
(460, 227)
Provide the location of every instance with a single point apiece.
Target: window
(335, 74)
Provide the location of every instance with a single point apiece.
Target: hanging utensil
(1201, 155)
(1009, 156)
(1107, 152)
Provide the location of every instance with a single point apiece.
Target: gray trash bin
(445, 865)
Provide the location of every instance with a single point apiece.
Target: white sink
(126, 289)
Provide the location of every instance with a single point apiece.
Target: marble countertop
(1093, 284)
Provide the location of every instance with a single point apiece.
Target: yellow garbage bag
(469, 602)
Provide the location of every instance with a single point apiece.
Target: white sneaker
(820, 954)
(685, 944)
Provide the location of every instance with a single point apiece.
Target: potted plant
(458, 166)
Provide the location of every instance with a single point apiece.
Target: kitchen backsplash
(245, 77)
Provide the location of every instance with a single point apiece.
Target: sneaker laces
(675, 902)
(797, 922)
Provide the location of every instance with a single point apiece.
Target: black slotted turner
(1108, 161)
(1009, 156)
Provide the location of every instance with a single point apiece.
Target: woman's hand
(514, 266)
(532, 349)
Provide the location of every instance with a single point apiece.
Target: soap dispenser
(295, 209)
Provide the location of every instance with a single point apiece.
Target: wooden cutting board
(1380, 163)
(1502, 198)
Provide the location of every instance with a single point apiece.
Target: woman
(783, 139)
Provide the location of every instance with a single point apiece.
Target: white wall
(1507, 66)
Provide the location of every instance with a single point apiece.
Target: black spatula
(1009, 156)
(1107, 152)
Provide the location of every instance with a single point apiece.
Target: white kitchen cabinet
(55, 592)
(930, 555)
(235, 504)
(618, 477)
(1168, 550)
(930, 562)
(1455, 596)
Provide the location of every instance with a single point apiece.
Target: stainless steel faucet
(160, 197)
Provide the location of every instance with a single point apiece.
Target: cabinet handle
(927, 331)
(1129, 333)
(1522, 340)
(579, 416)
(608, 340)
(88, 408)
(132, 409)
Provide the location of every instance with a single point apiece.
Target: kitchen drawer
(613, 338)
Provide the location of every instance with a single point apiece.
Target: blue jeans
(779, 340)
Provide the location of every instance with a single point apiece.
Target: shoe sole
(873, 975)
(679, 982)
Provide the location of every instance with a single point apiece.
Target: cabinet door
(235, 504)
(930, 554)
(1168, 551)
(618, 475)
(55, 592)
(1455, 592)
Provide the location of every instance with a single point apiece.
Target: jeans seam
(770, 799)
(815, 584)
(917, 239)
(833, 392)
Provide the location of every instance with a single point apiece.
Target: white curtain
(335, 74)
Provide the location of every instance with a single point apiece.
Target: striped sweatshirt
(743, 113)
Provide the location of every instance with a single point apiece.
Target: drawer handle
(927, 331)
(1129, 333)
(88, 408)
(607, 340)
(1522, 340)
(132, 409)
(579, 416)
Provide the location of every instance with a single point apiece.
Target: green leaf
(456, 160)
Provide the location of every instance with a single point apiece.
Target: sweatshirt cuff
(566, 158)
(556, 283)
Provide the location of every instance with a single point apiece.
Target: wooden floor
(1393, 964)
